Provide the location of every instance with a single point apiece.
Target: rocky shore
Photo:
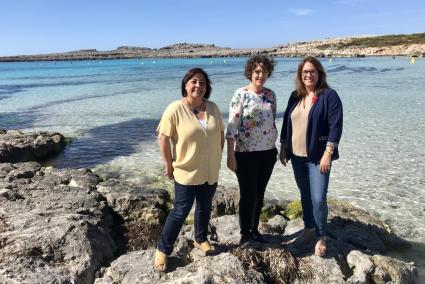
(393, 45)
(69, 226)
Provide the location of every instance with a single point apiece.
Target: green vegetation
(293, 210)
(266, 214)
(68, 140)
(270, 210)
(387, 40)
(378, 41)
(190, 220)
(327, 46)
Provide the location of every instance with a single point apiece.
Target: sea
(111, 108)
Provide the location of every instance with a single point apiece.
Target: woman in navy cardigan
(311, 130)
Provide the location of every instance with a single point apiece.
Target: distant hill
(358, 46)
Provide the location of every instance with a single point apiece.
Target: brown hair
(264, 60)
(321, 81)
(192, 72)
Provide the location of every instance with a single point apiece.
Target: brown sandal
(205, 247)
(320, 248)
(160, 261)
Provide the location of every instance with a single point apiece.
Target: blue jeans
(313, 187)
(183, 201)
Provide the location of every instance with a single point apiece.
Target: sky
(47, 26)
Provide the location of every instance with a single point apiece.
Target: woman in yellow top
(194, 126)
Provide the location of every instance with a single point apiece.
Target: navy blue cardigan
(324, 124)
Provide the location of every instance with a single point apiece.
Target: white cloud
(301, 12)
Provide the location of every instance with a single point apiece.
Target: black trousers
(253, 171)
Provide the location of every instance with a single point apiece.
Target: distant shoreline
(388, 45)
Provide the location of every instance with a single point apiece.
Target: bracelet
(329, 151)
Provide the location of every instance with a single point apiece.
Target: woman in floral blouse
(251, 137)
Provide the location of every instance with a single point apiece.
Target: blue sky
(45, 26)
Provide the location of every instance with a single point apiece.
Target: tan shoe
(160, 261)
(320, 248)
(205, 247)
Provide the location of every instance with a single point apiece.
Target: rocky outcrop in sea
(69, 226)
(16, 146)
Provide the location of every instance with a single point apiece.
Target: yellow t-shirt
(196, 151)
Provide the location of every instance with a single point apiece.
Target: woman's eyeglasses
(309, 72)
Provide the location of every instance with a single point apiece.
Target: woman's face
(259, 75)
(196, 86)
(309, 75)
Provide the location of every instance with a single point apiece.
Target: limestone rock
(226, 229)
(276, 225)
(129, 201)
(314, 269)
(361, 265)
(16, 146)
(362, 229)
(225, 201)
(393, 270)
(142, 211)
(51, 231)
(136, 267)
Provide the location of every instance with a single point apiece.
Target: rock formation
(54, 226)
(359, 46)
(68, 226)
(16, 146)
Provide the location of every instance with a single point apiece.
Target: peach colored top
(299, 118)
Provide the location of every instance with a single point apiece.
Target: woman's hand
(325, 163)
(231, 162)
(168, 171)
(231, 158)
(165, 149)
(282, 155)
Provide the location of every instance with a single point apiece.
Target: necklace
(195, 110)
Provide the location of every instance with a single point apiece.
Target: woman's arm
(282, 154)
(222, 140)
(231, 158)
(284, 130)
(235, 113)
(335, 118)
(165, 149)
(335, 131)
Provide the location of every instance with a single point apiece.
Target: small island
(357, 46)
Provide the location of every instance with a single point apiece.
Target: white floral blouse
(252, 120)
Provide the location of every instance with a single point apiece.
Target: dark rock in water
(16, 146)
(54, 227)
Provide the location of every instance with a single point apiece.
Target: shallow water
(112, 109)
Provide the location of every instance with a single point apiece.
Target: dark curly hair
(264, 60)
(192, 72)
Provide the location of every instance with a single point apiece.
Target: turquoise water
(113, 107)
